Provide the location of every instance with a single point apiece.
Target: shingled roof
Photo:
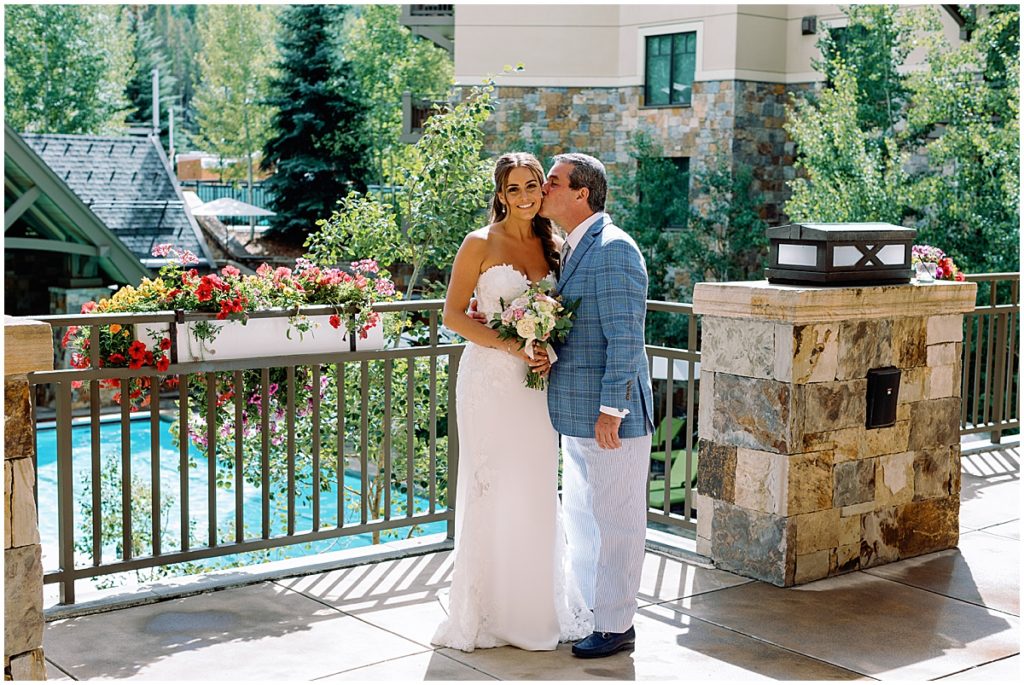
(127, 182)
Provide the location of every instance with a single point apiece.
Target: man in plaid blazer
(599, 398)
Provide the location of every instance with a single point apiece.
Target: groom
(599, 398)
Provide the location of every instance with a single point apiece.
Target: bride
(510, 585)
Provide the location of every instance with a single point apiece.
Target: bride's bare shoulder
(481, 238)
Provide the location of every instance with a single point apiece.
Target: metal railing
(384, 419)
(990, 381)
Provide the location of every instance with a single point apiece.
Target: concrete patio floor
(953, 614)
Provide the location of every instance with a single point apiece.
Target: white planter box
(261, 338)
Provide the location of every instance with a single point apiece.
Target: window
(671, 62)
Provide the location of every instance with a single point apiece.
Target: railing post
(28, 347)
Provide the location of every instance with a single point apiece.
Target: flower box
(265, 337)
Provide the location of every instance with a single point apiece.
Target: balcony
(436, 23)
(956, 614)
(689, 610)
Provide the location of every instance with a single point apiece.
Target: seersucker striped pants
(604, 495)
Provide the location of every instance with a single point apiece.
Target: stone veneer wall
(741, 118)
(28, 346)
(792, 487)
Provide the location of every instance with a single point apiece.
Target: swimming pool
(170, 486)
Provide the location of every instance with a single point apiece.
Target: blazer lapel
(581, 250)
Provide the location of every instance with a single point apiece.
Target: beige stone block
(19, 433)
(943, 381)
(881, 539)
(863, 345)
(816, 531)
(894, 479)
(944, 354)
(909, 342)
(762, 481)
(945, 328)
(28, 346)
(704, 546)
(19, 502)
(849, 531)
(705, 424)
(23, 599)
(902, 412)
(830, 406)
(855, 510)
(934, 423)
(815, 305)
(806, 354)
(810, 483)
(933, 474)
(861, 443)
(738, 347)
(28, 666)
(813, 566)
(704, 506)
(845, 558)
(912, 384)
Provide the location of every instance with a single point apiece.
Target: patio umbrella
(226, 206)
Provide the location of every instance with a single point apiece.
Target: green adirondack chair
(677, 489)
(658, 437)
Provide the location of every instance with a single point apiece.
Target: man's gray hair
(587, 172)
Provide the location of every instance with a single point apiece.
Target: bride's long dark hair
(541, 227)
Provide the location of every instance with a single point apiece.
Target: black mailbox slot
(883, 391)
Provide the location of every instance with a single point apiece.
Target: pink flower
(385, 287)
(264, 270)
(282, 272)
(230, 271)
(88, 307)
(187, 257)
(162, 250)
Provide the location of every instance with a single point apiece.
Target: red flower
(137, 350)
(165, 344)
(162, 363)
(335, 321)
(149, 358)
(76, 384)
(961, 277)
(115, 359)
(135, 363)
(89, 307)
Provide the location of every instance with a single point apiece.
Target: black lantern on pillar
(840, 254)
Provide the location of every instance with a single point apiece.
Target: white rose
(525, 327)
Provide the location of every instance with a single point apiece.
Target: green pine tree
(315, 151)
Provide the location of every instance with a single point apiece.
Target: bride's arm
(465, 272)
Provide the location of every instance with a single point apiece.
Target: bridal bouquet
(535, 316)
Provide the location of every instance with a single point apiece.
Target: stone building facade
(741, 121)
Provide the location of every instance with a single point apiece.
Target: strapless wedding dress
(511, 584)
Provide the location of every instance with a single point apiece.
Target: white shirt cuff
(621, 413)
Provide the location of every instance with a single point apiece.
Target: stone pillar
(792, 487)
(28, 346)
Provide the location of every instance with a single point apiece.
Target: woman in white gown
(511, 584)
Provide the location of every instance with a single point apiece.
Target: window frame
(643, 34)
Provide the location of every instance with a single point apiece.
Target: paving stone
(852, 620)
(425, 666)
(235, 634)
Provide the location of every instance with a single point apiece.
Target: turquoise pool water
(170, 486)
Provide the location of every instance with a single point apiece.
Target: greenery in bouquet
(935, 263)
(534, 317)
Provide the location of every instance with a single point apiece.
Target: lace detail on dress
(511, 583)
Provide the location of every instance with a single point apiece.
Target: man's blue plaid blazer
(603, 361)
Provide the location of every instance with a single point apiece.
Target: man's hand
(606, 431)
(474, 314)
